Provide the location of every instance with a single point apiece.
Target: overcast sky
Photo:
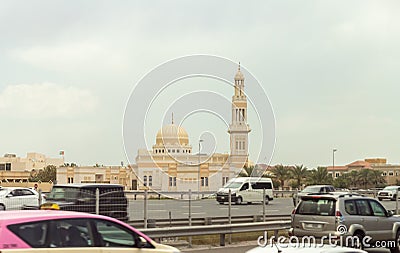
(329, 68)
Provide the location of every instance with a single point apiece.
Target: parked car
(246, 189)
(312, 189)
(45, 229)
(345, 215)
(82, 198)
(287, 248)
(389, 192)
(15, 198)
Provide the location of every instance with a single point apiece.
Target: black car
(82, 198)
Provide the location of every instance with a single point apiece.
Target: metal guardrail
(159, 223)
(222, 230)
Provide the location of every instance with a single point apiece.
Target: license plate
(313, 225)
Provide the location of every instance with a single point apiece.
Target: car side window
(33, 233)
(377, 208)
(114, 235)
(244, 187)
(350, 207)
(363, 207)
(26, 192)
(71, 233)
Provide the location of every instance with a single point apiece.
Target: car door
(244, 192)
(29, 197)
(12, 200)
(365, 216)
(381, 224)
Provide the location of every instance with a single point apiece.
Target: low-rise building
(97, 174)
(390, 172)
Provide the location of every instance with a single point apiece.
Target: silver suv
(346, 215)
(389, 192)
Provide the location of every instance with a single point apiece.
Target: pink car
(62, 229)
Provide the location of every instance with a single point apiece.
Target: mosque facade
(172, 165)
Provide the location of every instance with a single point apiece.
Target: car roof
(42, 214)
(94, 185)
(319, 185)
(333, 195)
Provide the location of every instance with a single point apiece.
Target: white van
(246, 189)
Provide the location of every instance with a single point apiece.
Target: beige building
(95, 174)
(390, 172)
(171, 165)
(19, 169)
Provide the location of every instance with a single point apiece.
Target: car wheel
(266, 200)
(397, 240)
(393, 198)
(360, 236)
(380, 199)
(2, 207)
(221, 203)
(239, 201)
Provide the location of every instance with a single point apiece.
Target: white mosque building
(172, 165)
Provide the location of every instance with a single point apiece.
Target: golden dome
(172, 135)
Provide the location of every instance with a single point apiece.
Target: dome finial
(172, 118)
(239, 66)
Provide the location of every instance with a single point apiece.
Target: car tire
(2, 207)
(380, 199)
(397, 240)
(239, 201)
(393, 198)
(266, 200)
(221, 203)
(360, 236)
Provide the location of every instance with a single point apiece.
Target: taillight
(338, 213)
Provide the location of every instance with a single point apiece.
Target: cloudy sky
(329, 68)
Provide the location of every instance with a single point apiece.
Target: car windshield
(233, 185)
(312, 189)
(390, 188)
(63, 193)
(317, 206)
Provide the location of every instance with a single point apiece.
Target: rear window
(317, 206)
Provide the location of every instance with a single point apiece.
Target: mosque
(172, 165)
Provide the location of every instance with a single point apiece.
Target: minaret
(239, 129)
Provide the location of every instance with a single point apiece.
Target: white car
(289, 248)
(15, 198)
(389, 192)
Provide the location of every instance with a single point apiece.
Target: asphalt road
(158, 209)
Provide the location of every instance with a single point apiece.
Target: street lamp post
(198, 172)
(333, 159)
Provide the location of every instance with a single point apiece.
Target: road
(158, 209)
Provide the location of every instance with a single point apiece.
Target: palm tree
(281, 173)
(299, 173)
(376, 178)
(343, 181)
(246, 171)
(320, 176)
(353, 178)
(364, 177)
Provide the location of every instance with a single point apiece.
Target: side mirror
(390, 213)
(9, 195)
(141, 243)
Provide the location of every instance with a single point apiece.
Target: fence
(222, 230)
